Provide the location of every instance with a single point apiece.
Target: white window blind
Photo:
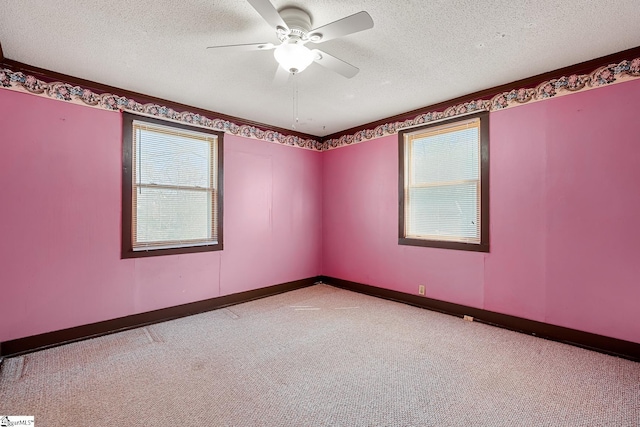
(442, 183)
(174, 187)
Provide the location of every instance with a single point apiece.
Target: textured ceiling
(418, 53)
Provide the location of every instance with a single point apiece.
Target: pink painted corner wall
(60, 266)
(564, 217)
(564, 204)
(360, 230)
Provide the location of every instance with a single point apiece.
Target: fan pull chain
(295, 101)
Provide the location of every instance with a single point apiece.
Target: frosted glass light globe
(293, 57)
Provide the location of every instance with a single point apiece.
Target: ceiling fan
(293, 29)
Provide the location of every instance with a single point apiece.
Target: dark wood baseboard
(78, 333)
(611, 346)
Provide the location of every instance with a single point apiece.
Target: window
(171, 188)
(444, 184)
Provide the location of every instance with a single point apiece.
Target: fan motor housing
(298, 20)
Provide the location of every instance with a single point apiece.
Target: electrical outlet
(421, 290)
(468, 318)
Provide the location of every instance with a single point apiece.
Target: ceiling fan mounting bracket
(298, 21)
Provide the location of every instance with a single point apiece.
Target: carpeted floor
(321, 356)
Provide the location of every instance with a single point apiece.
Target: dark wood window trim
(483, 246)
(127, 178)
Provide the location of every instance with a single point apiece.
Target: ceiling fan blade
(335, 64)
(245, 47)
(342, 27)
(281, 77)
(268, 13)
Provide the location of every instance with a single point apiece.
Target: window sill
(444, 244)
(172, 250)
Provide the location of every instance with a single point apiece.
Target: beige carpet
(321, 356)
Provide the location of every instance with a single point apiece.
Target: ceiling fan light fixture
(293, 57)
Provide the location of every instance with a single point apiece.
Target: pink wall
(564, 208)
(564, 217)
(60, 266)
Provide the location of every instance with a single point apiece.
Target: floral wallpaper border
(603, 76)
(107, 101)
